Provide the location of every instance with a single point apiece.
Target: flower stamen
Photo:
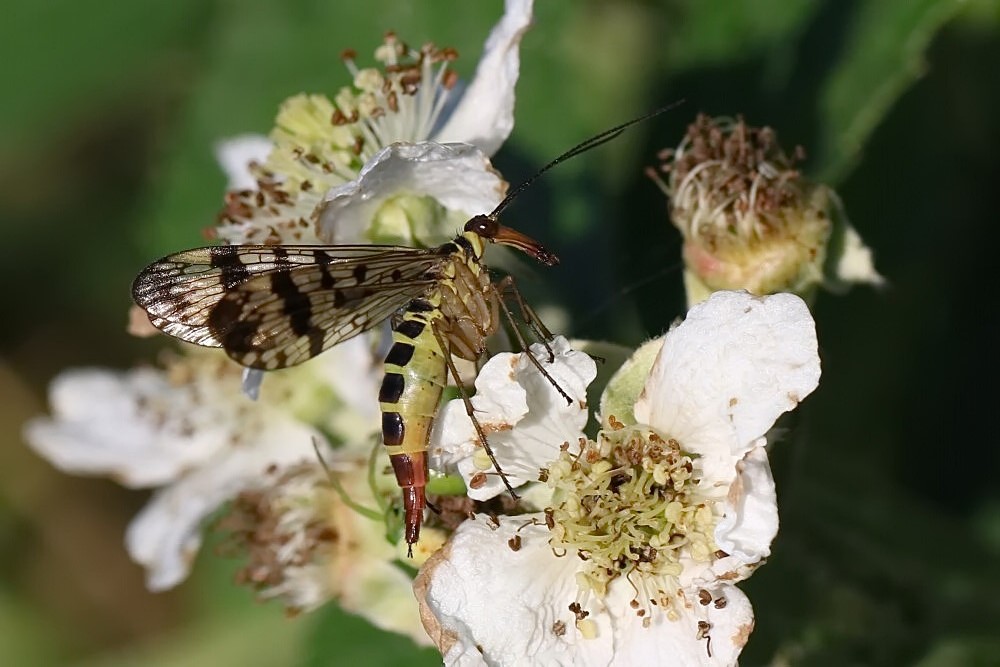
(628, 505)
(321, 143)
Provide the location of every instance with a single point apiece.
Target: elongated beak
(511, 237)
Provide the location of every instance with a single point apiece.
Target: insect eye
(483, 225)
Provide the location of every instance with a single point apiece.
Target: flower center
(629, 506)
(321, 143)
(400, 102)
(285, 534)
(749, 218)
(413, 220)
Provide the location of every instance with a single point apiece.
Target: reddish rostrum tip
(411, 474)
(511, 237)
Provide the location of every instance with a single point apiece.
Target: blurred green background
(888, 552)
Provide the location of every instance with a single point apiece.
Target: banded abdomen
(456, 318)
(415, 377)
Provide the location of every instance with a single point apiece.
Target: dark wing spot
(326, 279)
(232, 271)
(296, 304)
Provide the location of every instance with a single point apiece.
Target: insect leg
(469, 410)
(536, 325)
(528, 314)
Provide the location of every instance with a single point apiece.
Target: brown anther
(477, 481)
(703, 633)
(704, 597)
(410, 83)
(348, 55)
(514, 543)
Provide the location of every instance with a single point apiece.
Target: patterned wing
(275, 306)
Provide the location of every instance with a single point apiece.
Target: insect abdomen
(415, 376)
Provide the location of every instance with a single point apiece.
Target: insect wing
(276, 306)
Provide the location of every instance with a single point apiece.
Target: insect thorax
(468, 301)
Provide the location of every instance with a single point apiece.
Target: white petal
(727, 372)
(252, 379)
(236, 154)
(746, 527)
(482, 593)
(855, 262)
(166, 535)
(371, 583)
(459, 176)
(525, 417)
(681, 642)
(354, 372)
(750, 521)
(485, 114)
(484, 603)
(133, 426)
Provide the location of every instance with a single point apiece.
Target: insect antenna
(582, 147)
(599, 310)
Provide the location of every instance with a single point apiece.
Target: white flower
(751, 220)
(307, 542)
(389, 140)
(649, 527)
(366, 166)
(189, 432)
(527, 418)
(239, 155)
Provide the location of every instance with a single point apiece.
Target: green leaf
(883, 56)
(66, 60)
(253, 636)
(338, 638)
(705, 32)
(27, 634)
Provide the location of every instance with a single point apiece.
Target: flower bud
(749, 218)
